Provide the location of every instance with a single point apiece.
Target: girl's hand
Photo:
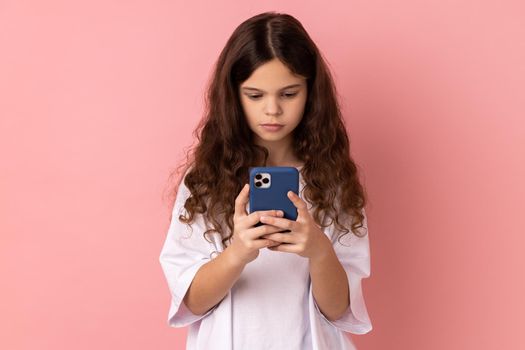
(305, 237)
(246, 239)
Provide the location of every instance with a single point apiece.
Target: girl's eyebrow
(286, 87)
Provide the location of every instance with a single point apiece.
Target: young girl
(238, 286)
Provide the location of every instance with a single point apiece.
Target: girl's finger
(255, 217)
(282, 238)
(299, 203)
(280, 222)
(263, 230)
(241, 200)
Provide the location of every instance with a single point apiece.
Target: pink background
(98, 100)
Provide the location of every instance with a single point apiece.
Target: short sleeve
(184, 251)
(354, 254)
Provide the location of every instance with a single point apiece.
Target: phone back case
(269, 187)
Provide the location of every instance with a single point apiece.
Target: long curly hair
(217, 167)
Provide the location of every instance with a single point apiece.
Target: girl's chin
(272, 137)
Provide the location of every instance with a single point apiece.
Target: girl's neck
(284, 160)
(281, 152)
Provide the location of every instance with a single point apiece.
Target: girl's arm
(215, 278)
(329, 284)
(212, 282)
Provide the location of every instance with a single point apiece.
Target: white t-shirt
(271, 305)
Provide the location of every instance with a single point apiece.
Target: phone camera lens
(258, 176)
(258, 184)
(265, 180)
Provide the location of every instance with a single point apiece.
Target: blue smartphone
(269, 187)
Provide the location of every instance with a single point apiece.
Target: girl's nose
(273, 107)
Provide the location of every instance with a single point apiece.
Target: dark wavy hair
(217, 167)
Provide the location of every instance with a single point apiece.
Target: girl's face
(273, 95)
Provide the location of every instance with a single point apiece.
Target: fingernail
(280, 213)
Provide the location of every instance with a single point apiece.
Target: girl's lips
(268, 127)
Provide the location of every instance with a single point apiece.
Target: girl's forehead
(272, 75)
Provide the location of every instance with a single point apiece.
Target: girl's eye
(288, 95)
